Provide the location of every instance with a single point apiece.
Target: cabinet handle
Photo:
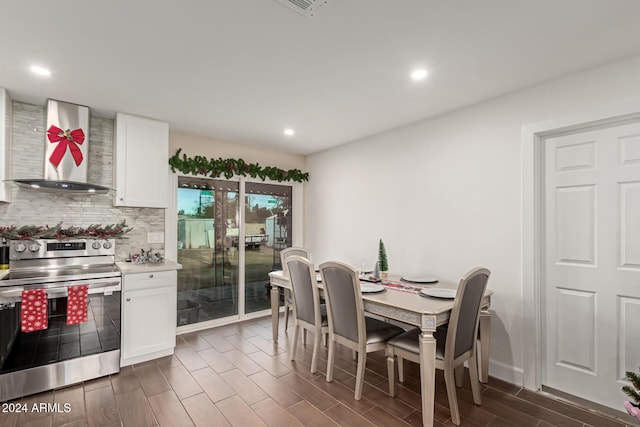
(128, 299)
(151, 276)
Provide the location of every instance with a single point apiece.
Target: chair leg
(459, 375)
(304, 337)
(287, 309)
(330, 359)
(391, 371)
(451, 394)
(325, 338)
(316, 347)
(484, 332)
(294, 341)
(475, 381)
(400, 369)
(362, 361)
(286, 317)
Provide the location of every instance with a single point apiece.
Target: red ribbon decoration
(65, 138)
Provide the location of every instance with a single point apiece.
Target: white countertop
(131, 267)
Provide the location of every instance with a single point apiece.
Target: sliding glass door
(207, 249)
(267, 221)
(227, 249)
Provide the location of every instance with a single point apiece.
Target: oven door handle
(61, 291)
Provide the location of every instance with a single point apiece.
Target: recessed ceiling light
(41, 71)
(419, 74)
(289, 132)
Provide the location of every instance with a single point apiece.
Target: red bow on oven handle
(65, 138)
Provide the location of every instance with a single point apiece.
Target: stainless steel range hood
(66, 151)
(67, 186)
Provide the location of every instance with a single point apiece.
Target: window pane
(267, 232)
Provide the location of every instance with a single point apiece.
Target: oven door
(59, 342)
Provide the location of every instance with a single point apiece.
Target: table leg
(485, 343)
(275, 311)
(427, 375)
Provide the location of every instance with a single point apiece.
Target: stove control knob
(21, 247)
(95, 245)
(34, 247)
(106, 245)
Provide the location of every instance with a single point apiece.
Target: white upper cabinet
(5, 146)
(141, 162)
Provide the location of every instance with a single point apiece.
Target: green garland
(200, 165)
(111, 231)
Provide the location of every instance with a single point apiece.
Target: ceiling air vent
(305, 7)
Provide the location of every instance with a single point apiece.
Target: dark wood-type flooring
(235, 376)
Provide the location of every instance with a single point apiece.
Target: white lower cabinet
(148, 316)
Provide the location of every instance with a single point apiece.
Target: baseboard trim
(507, 373)
(605, 411)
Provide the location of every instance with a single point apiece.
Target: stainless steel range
(62, 353)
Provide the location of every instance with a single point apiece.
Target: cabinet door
(149, 320)
(5, 145)
(141, 169)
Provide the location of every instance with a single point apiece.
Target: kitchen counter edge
(131, 268)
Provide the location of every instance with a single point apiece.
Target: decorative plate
(443, 293)
(420, 279)
(371, 288)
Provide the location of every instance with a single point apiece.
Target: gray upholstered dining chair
(284, 254)
(308, 313)
(348, 325)
(455, 344)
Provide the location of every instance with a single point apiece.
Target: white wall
(445, 194)
(193, 145)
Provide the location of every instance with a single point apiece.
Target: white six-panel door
(591, 297)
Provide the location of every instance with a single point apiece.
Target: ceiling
(244, 70)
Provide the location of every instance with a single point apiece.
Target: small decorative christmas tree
(633, 392)
(382, 257)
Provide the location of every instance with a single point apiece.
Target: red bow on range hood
(65, 138)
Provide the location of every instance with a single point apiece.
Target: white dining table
(413, 309)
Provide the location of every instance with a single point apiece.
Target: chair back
(345, 308)
(304, 288)
(286, 253)
(465, 315)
